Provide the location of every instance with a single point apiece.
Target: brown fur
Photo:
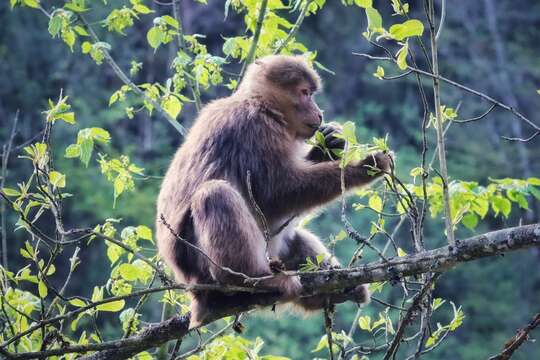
(204, 195)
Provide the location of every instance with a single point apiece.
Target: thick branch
(333, 281)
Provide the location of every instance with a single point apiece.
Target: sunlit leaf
(409, 28)
(112, 306)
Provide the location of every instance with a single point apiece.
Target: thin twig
(182, 46)
(203, 344)
(6, 151)
(459, 86)
(125, 79)
(476, 118)
(514, 343)
(295, 27)
(255, 41)
(439, 125)
(441, 21)
(408, 318)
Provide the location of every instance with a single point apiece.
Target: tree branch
(459, 86)
(514, 343)
(439, 123)
(251, 53)
(125, 79)
(323, 282)
(295, 27)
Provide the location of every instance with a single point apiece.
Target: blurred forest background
(489, 45)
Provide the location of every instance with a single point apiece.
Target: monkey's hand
(328, 130)
(379, 163)
(359, 294)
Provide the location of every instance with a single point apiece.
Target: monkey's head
(288, 84)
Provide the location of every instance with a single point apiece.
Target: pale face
(307, 116)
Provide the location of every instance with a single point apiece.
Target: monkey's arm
(317, 154)
(306, 187)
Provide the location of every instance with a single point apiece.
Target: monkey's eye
(305, 92)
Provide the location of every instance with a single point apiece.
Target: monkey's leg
(304, 244)
(228, 233)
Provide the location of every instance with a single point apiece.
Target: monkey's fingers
(335, 143)
(330, 128)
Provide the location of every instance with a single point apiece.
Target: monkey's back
(228, 139)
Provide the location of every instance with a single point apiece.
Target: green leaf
(42, 289)
(323, 344)
(402, 57)
(86, 146)
(68, 117)
(119, 186)
(55, 24)
(522, 201)
(11, 192)
(25, 253)
(86, 47)
(74, 6)
(364, 3)
(155, 37)
(144, 232)
(375, 202)
(100, 135)
(69, 38)
(81, 31)
(114, 252)
(113, 306)
(349, 132)
(374, 19)
(431, 341)
(72, 151)
(437, 302)
(31, 3)
(417, 171)
(172, 106)
(501, 205)
(77, 302)
(340, 235)
(401, 252)
(481, 207)
(409, 28)
(534, 181)
(534, 192)
(142, 9)
(230, 45)
(379, 74)
(171, 21)
(365, 323)
(57, 179)
(128, 272)
(470, 221)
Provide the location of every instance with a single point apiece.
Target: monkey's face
(306, 116)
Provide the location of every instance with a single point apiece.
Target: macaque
(205, 198)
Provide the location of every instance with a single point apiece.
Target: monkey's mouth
(313, 127)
